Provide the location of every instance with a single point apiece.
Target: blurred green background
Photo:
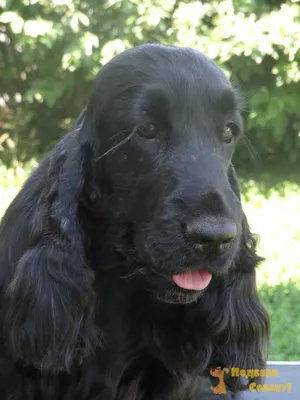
(50, 50)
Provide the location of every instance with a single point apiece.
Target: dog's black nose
(211, 233)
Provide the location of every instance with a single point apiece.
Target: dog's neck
(149, 325)
(143, 333)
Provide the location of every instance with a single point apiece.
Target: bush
(51, 50)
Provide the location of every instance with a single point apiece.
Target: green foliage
(50, 51)
(282, 303)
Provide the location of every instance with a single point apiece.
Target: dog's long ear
(49, 300)
(242, 322)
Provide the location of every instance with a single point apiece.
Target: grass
(272, 204)
(276, 218)
(11, 181)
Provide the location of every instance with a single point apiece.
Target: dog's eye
(147, 131)
(229, 133)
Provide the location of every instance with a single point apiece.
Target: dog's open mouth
(194, 280)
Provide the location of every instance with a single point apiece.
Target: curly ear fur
(242, 322)
(243, 327)
(49, 301)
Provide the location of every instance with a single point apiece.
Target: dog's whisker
(117, 146)
(139, 271)
(119, 133)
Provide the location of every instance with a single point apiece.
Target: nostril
(206, 233)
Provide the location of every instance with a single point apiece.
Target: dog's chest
(143, 375)
(151, 358)
(151, 380)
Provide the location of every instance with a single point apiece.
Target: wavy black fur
(88, 247)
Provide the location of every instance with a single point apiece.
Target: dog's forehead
(182, 91)
(178, 80)
(180, 75)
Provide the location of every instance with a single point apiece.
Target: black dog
(127, 264)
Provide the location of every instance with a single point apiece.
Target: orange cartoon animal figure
(219, 373)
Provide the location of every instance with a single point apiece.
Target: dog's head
(166, 122)
(148, 169)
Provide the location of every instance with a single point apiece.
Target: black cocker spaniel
(127, 267)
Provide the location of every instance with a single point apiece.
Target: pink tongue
(196, 280)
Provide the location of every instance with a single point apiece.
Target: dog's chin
(180, 296)
(164, 289)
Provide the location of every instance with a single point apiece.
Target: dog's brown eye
(147, 131)
(228, 134)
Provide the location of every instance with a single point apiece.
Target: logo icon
(219, 373)
(249, 374)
